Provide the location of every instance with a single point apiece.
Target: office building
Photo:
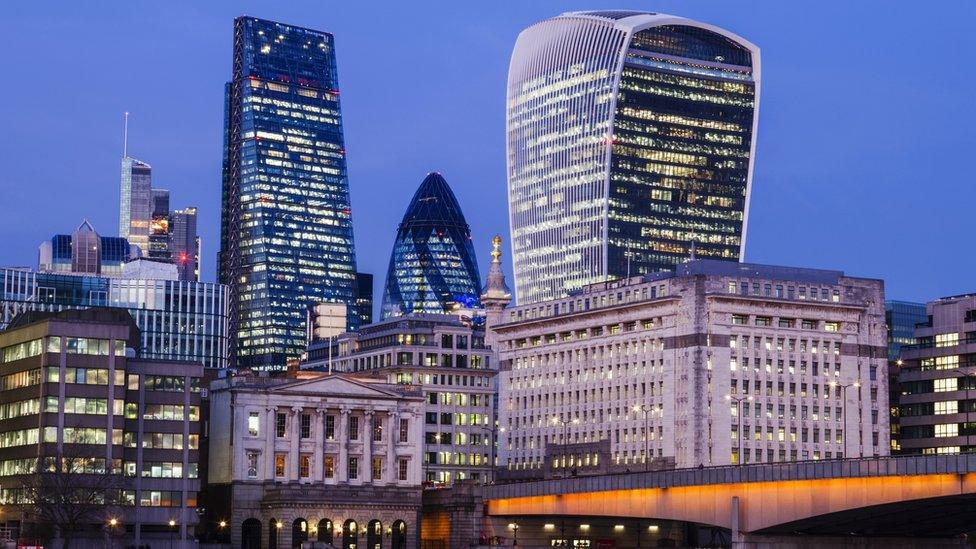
(364, 298)
(902, 317)
(631, 138)
(936, 381)
(178, 320)
(286, 223)
(718, 363)
(433, 268)
(135, 202)
(445, 358)
(74, 393)
(184, 243)
(85, 252)
(328, 458)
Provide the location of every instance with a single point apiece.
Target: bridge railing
(733, 474)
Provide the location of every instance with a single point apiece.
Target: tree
(72, 493)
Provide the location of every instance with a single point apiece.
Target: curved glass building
(630, 143)
(433, 268)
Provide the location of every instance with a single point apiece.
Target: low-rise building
(318, 457)
(81, 415)
(445, 358)
(716, 363)
(936, 381)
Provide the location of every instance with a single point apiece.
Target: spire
(496, 291)
(125, 136)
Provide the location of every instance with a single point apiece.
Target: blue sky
(866, 120)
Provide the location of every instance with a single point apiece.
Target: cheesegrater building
(630, 143)
(286, 227)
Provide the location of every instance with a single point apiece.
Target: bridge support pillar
(736, 533)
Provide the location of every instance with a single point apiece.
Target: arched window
(374, 535)
(325, 531)
(251, 534)
(274, 532)
(299, 532)
(350, 534)
(399, 535)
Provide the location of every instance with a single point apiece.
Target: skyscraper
(286, 221)
(433, 268)
(184, 243)
(630, 141)
(135, 202)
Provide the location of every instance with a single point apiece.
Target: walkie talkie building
(630, 143)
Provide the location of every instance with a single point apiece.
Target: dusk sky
(866, 121)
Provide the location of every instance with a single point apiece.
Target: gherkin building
(433, 268)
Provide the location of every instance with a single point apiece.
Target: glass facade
(103, 255)
(902, 318)
(178, 320)
(286, 228)
(433, 268)
(135, 202)
(630, 145)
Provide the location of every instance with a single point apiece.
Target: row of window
(165, 441)
(305, 427)
(162, 469)
(328, 466)
(767, 321)
(784, 292)
(159, 498)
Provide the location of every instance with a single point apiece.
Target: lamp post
(738, 422)
(968, 406)
(172, 527)
(514, 528)
(643, 408)
(492, 441)
(844, 387)
(221, 529)
(110, 531)
(565, 423)
(277, 533)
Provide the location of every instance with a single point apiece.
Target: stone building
(73, 394)
(716, 363)
(318, 457)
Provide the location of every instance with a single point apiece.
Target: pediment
(334, 385)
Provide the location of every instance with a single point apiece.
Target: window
(947, 430)
(252, 464)
(945, 385)
(353, 468)
(329, 468)
(253, 424)
(764, 321)
(281, 423)
(947, 407)
(402, 474)
(404, 429)
(946, 340)
(740, 319)
(353, 427)
(377, 468)
(329, 427)
(831, 326)
(377, 429)
(787, 323)
(279, 465)
(306, 426)
(304, 465)
(809, 324)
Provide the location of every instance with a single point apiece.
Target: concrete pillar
(341, 470)
(269, 443)
(392, 436)
(368, 445)
(295, 433)
(319, 438)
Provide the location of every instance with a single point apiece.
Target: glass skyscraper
(902, 318)
(630, 140)
(135, 202)
(286, 221)
(433, 268)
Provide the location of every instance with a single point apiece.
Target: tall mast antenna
(125, 136)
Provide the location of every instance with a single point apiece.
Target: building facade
(630, 140)
(453, 367)
(936, 381)
(178, 320)
(718, 363)
(286, 222)
(329, 458)
(433, 267)
(364, 298)
(85, 252)
(74, 394)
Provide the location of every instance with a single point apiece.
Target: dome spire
(496, 292)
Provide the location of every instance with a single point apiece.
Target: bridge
(864, 502)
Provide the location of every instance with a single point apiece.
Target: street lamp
(172, 539)
(738, 416)
(565, 423)
(492, 441)
(110, 531)
(221, 526)
(514, 528)
(844, 387)
(645, 409)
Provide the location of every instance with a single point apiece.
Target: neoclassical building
(317, 457)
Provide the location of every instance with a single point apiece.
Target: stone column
(368, 444)
(341, 472)
(318, 463)
(295, 432)
(269, 444)
(392, 436)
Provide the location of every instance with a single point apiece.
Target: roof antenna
(125, 136)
